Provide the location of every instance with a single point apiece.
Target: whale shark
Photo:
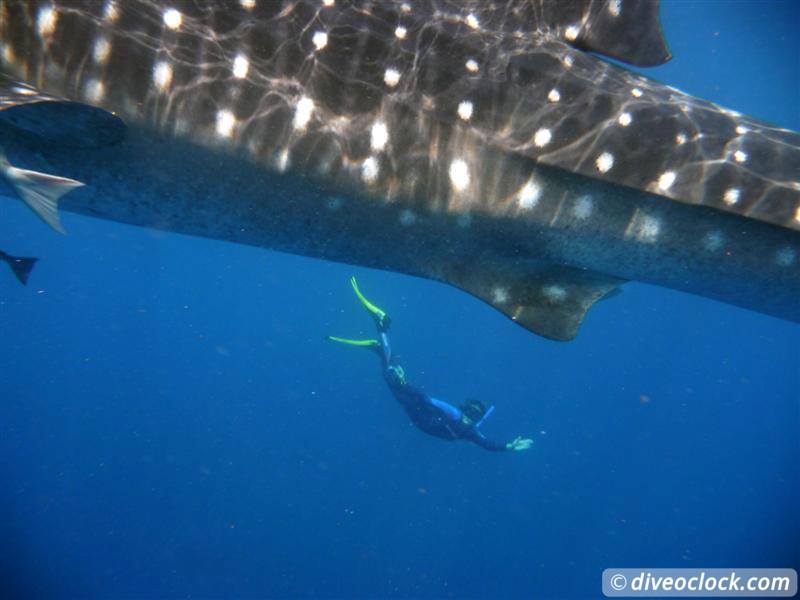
(492, 146)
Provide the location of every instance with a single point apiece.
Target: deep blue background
(173, 424)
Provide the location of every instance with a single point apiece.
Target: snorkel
(485, 416)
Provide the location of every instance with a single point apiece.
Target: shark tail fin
(21, 266)
(39, 191)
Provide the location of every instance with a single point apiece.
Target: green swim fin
(349, 342)
(380, 316)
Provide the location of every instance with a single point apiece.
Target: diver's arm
(476, 437)
(481, 440)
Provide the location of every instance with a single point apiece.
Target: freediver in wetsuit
(434, 417)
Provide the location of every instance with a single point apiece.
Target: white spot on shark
(319, 39)
(499, 295)
(240, 66)
(328, 3)
(567, 61)
(542, 137)
(400, 32)
(529, 194)
(554, 293)
(379, 135)
(785, 257)
(303, 112)
(162, 75)
(472, 65)
(643, 227)
(680, 139)
(649, 229)
(282, 161)
(713, 241)
(46, 21)
(636, 92)
(741, 129)
(571, 33)
(615, 7)
(625, 119)
(248, 4)
(173, 19)
(465, 110)
(95, 90)
(226, 122)
(101, 50)
(604, 162)
(391, 77)
(731, 196)
(583, 208)
(666, 180)
(740, 156)
(407, 218)
(459, 175)
(369, 169)
(8, 53)
(472, 21)
(111, 12)
(554, 95)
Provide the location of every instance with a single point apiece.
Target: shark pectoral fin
(56, 120)
(20, 265)
(52, 120)
(40, 191)
(551, 301)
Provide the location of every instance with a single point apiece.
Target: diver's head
(472, 411)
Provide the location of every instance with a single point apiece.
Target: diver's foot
(382, 320)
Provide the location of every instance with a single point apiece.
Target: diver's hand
(520, 443)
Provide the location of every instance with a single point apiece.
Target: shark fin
(56, 120)
(552, 302)
(629, 31)
(39, 191)
(21, 266)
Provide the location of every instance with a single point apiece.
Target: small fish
(39, 191)
(20, 265)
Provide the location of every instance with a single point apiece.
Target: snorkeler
(434, 417)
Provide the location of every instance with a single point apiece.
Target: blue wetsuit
(434, 417)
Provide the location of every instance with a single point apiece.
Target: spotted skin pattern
(486, 119)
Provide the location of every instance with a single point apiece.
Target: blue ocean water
(174, 425)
